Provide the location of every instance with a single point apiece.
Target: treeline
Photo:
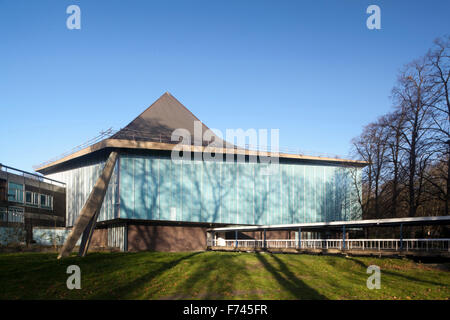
(408, 149)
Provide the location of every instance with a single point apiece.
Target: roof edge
(147, 145)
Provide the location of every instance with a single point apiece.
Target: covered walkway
(398, 245)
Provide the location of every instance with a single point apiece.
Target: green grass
(216, 275)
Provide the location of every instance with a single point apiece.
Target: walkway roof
(339, 224)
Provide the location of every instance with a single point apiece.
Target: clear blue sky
(309, 68)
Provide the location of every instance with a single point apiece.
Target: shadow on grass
(213, 277)
(395, 274)
(288, 280)
(137, 284)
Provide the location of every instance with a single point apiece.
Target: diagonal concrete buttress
(87, 219)
(87, 235)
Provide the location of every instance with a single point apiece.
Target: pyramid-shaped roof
(152, 130)
(157, 123)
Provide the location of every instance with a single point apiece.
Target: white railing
(340, 244)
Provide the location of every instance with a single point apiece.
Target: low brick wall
(166, 238)
(259, 235)
(99, 238)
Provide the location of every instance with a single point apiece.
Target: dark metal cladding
(160, 120)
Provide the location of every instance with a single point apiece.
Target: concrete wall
(9, 235)
(51, 236)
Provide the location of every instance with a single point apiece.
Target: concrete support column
(87, 235)
(125, 240)
(264, 242)
(87, 219)
(299, 238)
(401, 236)
(343, 237)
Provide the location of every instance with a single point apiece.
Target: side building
(155, 203)
(29, 201)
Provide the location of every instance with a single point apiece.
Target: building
(28, 201)
(154, 203)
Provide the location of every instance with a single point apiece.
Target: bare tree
(414, 94)
(438, 59)
(408, 150)
(371, 146)
(394, 122)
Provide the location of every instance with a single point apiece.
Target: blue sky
(309, 68)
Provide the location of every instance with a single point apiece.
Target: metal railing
(103, 135)
(340, 244)
(29, 175)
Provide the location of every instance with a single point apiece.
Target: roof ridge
(161, 118)
(169, 94)
(148, 108)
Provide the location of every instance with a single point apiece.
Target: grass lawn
(216, 275)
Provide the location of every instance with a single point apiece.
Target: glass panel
(165, 186)
(140, 188)
(126, 187)
(245, 194)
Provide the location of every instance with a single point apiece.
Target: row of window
(12, 214)
(16, 194)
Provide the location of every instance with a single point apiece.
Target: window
(28, 195)
(15, 192)
(43, 200)
(46, 201)
(3, 214)
(15, 214)
(31, 198)
(3, 188)
(12, 214)
(35, 198)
